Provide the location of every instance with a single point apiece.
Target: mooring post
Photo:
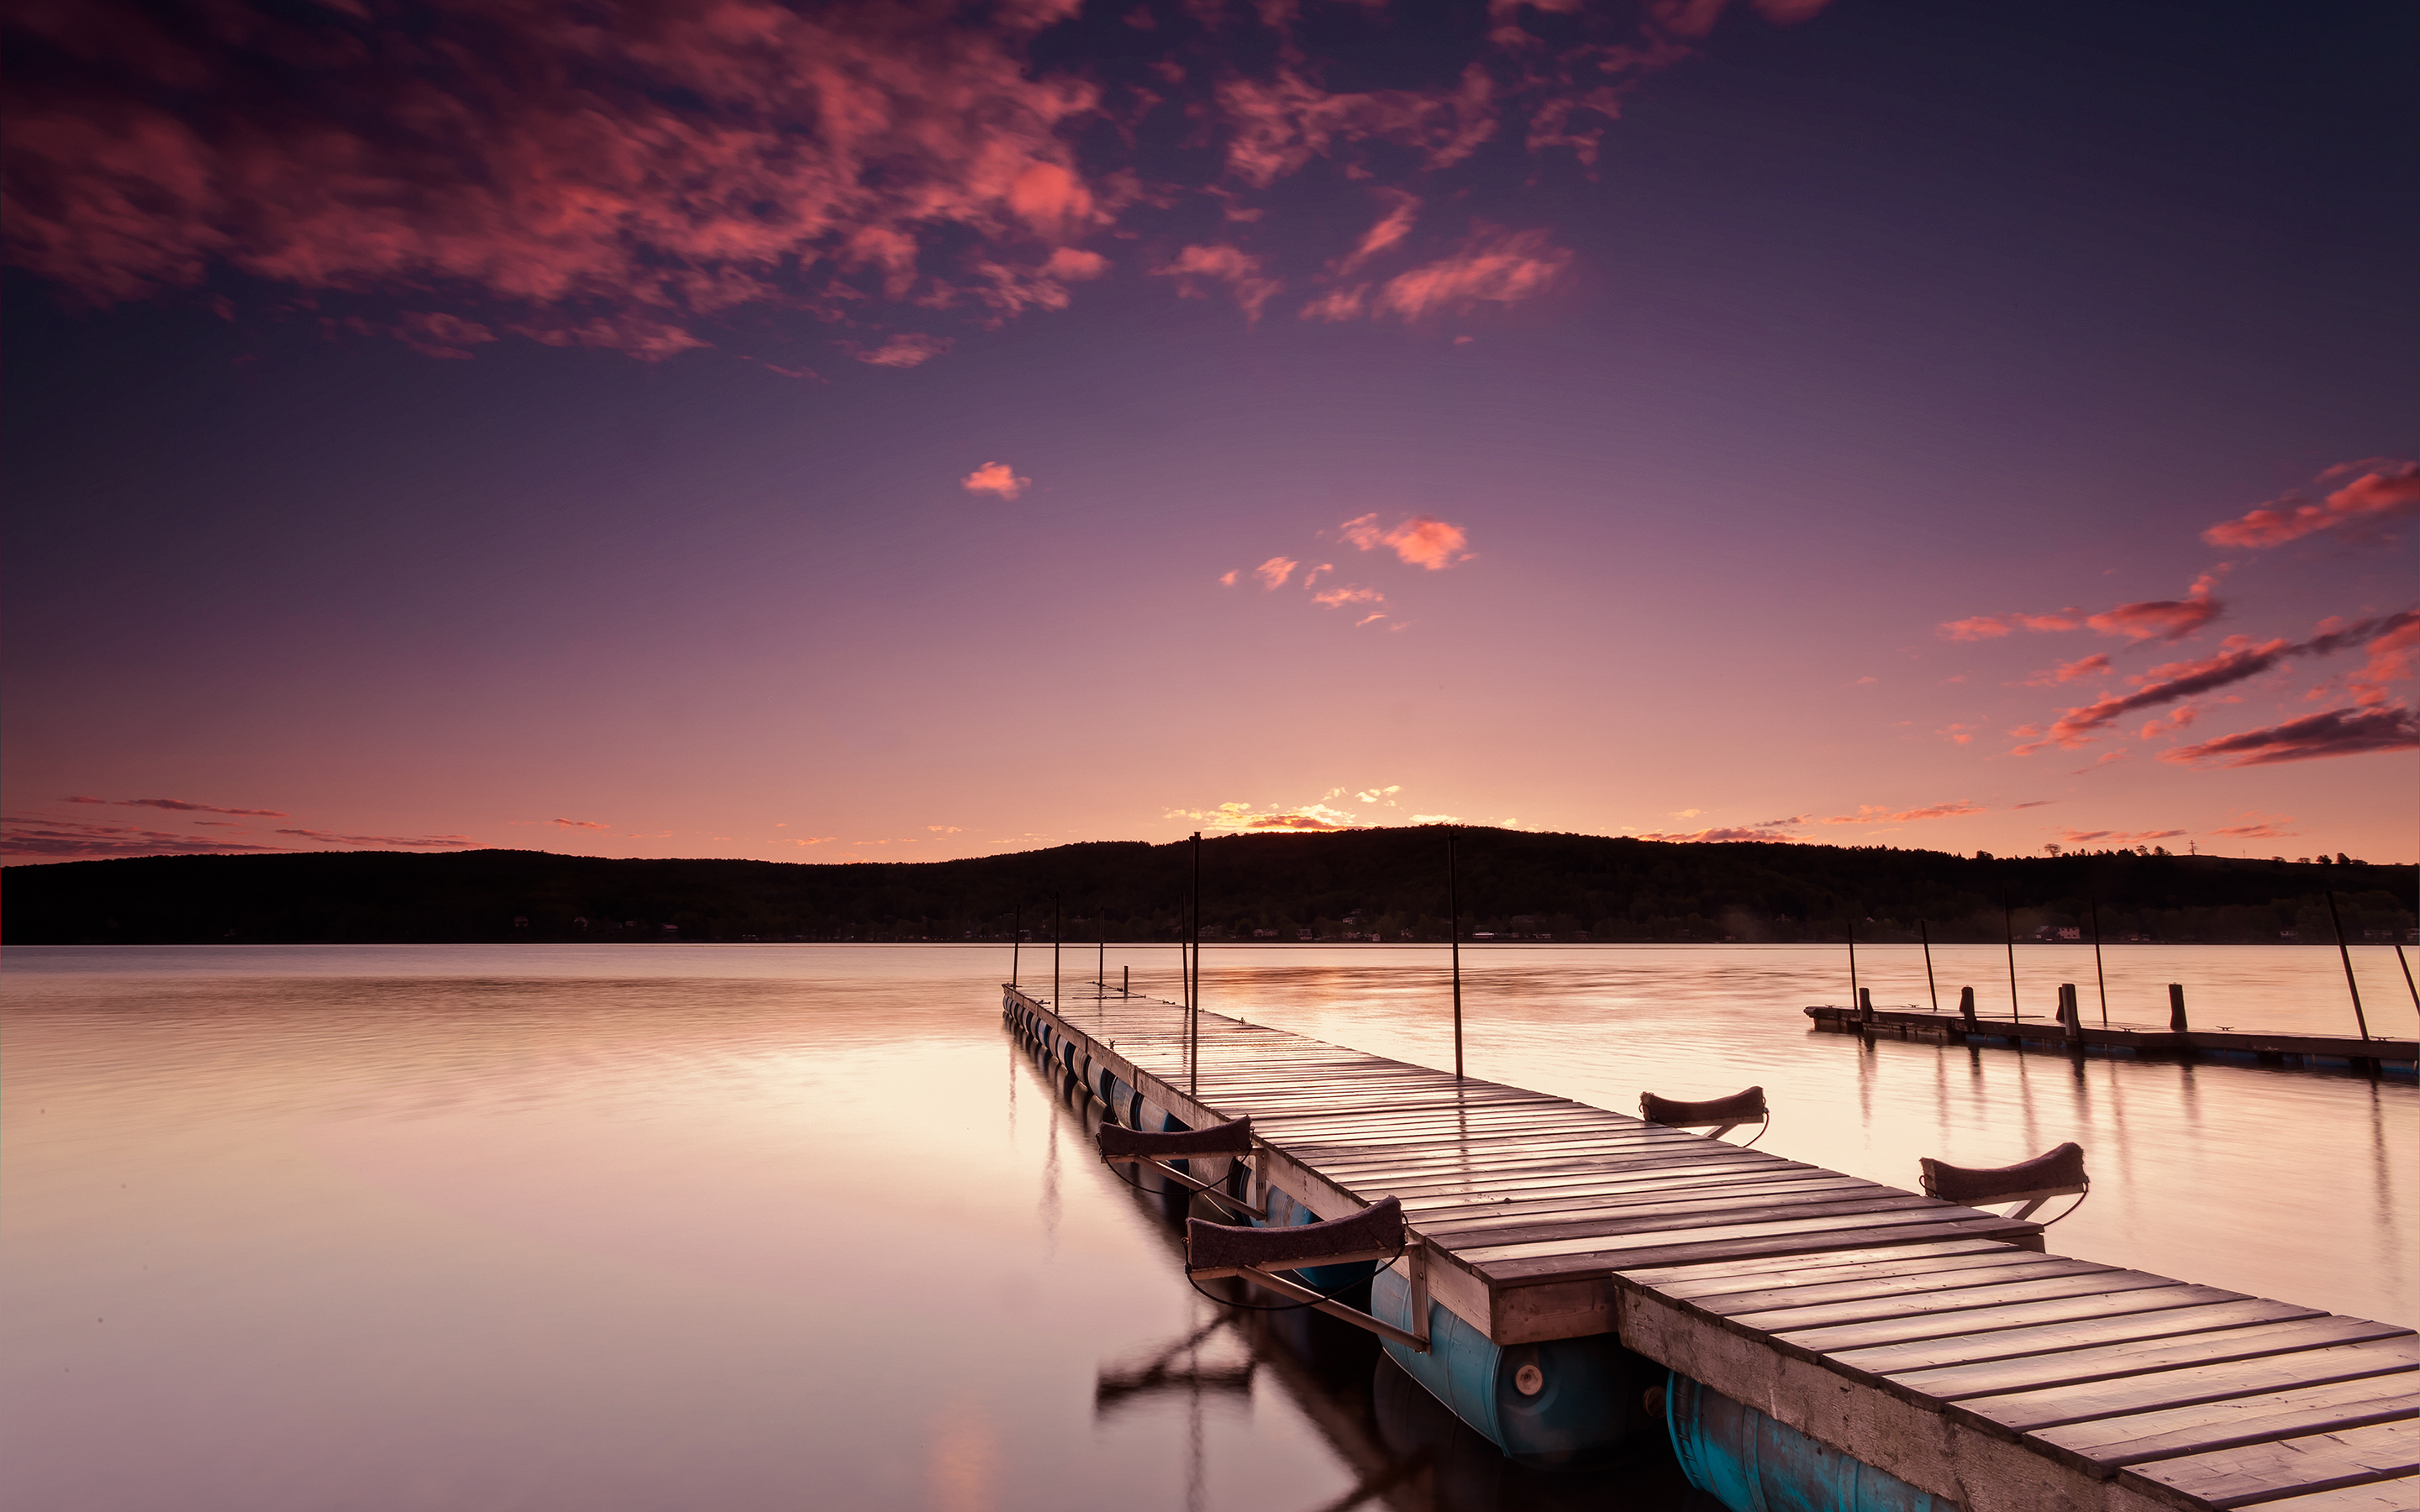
(1864, 1005)
(1054, 952)
(2070, 1016)
(1016, 939)
(1193, 1026)
(1966, 1005)
(1924, 928)
(1125, 981)
(2177, 1008)
(2009, 933)
(1454, 936)
(2358, 1016)
(2407, 985)
(2098, 974)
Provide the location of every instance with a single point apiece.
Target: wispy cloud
(1197, 267)
(907, 349)
(1246, 817)
(995, 478)
(180, 806)
(2115, 837)
(2238, 659)
(429, 842)
(1771, 830)
(2259, 826)
(2379, 490)
(2335, 732)
(1868, 813)
(1274, 573)
(70, 840)
(579, 823)
(2153, 619)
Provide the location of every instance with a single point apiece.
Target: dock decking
(1936, 1342)
(2378, 1053)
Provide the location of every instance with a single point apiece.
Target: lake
(787, 1225)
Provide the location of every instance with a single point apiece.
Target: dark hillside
(1359, 884)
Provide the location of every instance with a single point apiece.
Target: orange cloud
(2120, 837)
(1772, 829)
(2385, 489)
(579, 823)
(1392, 227)
(995, 478)
(2259, 826)
(1245, 817)
(1274, 573)
(1877, 814)
(1492, 267)
(1422, 541)
(1348, 595)
(2163, 619)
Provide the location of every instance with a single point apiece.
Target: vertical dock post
(1054, 952)
(1924, 928)
(2070, 1016)
(1966, 1007)
(2098, 974)
(2408, 986)
(1125, 981)
(1193, 1021)
(2177, 1008)
(1454, 934)
(1864, 1005)
(2009, 934)
(2358, 1016)
(1016, 939)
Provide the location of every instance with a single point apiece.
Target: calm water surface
(799, 1227)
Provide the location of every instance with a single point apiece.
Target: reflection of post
(1454, 934)
(2358, 1016)
(2009, 933)
(2097, 974)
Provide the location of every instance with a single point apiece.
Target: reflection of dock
(1935, 1342)
(2307, 1051)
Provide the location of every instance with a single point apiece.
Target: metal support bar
(1189, 1183)
(1418, 1342)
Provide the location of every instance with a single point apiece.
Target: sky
(906, 431)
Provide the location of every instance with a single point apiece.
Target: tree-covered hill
(1387, 884)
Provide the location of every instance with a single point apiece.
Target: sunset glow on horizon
(891, 432)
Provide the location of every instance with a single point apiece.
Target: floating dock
(2393, 1058)
(1936, 1343)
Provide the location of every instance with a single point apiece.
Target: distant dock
(2309, 1051)
(1935, 1343)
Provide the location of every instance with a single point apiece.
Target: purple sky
(896, 432)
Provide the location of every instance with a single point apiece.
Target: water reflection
(633, 1227)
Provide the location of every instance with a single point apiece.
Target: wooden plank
(1981, 1327)
(1588, 1251)
(1821, 1243)
(1730, 1296)
(2031, 1410)
(1976, 1285)
(2124, 1326)
(1677, 1278)
(1964, 1309)
(1956, 1382)
(2236, 1421)
(2400, 1494)
(1467, 1235)
(2267, 1472)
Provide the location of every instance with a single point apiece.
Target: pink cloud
(1492, 267)
(909, 349)
(2238, 659)
(1420, 541)
(1274, 573)
(1227, 578)
(1342, 596)
(1196, 267)
(1992, 626)
(2391, 658)
(1772, 829)
(2163, 619)
(2259, 828)
(997, 479)
(2120, 837)
(72, 841)
(579, 823)
(1402, 210)
(2335, 732)
(2385, 491)
(2096, 665)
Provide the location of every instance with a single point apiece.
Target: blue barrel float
(1752, 1463)
(1558, 1405)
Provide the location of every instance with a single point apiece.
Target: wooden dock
(1936, 1342)
(2304, 1051)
